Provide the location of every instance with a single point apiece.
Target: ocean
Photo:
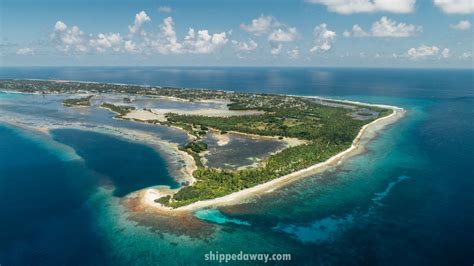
(406, 200)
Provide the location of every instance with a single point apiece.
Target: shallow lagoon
(44, 110)
(238, 150)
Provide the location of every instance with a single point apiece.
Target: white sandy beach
(160, 113)
(144, 115)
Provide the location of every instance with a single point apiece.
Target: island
(316, 131)
(84, 101)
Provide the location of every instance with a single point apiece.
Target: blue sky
(335, 33)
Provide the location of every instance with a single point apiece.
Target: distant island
(316, 130)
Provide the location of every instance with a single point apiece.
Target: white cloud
(294, 53)
(130, 46)
(280, 35)
(386, 27)
(105, 41)
(68, 39)
(169, 41)
(25, 51)
(422, 52)
(259, 25)
(445, 53)
(165, 9)
(323, 38)
(466, 55)
(357, 31)
(276, 50)
(195, 42)
(203, 42)
(140, 18)
(367, 6)
(60, 26)
(455, 6)
(245, 46)
(462, 25)
(72, 39)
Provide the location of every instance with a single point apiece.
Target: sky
(321, 33)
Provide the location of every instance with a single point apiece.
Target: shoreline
(237, 197)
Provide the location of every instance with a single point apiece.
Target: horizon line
(230, 66)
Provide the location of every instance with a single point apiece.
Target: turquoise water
(407, 200)
(215, 216)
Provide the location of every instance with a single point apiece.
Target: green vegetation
(327, 127)
(163, 200)
(121, 110)
(197, 146)
(196, 156)
(193, 149)
(85, 101)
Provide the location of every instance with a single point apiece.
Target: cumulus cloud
(357, 31)
(60, 26)
(25, 51)
(294, 53)
(386, 27)
(422, 52)
(323, 38)
(282, 35)
(130, 46)
(276, 33)
(140, 19)
(445, 53)
(165, 9)
(106, 41)
(260, 25)
(195, 42)
(466, 55)
(72, 39)
(244, 46)
(367, 6)
(462, 25)
(204, 43)
(168, 43)
(69, 39)
(455, 6)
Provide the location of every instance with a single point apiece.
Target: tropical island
(316, 130)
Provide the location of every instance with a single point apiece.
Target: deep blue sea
(407, 200)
